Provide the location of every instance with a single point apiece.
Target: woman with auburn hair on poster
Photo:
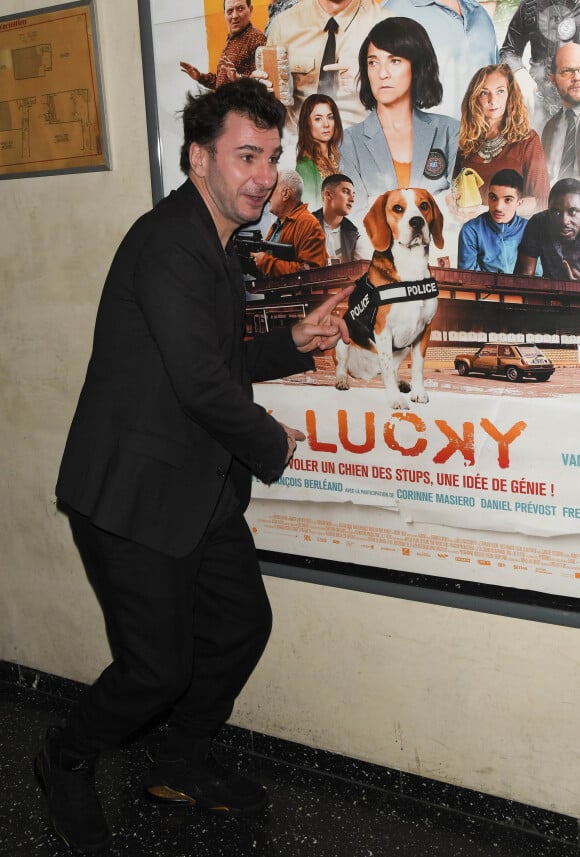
(398, 144)
(319, 136)
(495, 134)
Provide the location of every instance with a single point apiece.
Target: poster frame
(150, 91)
(432, 589)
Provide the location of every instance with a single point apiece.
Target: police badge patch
(566, 29)
(435, 165)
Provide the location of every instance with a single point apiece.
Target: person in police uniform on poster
(398, 144)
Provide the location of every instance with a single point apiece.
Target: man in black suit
(157, 467)
(560, 135)
(540, 26)
(343, 240)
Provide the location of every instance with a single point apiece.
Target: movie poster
(467, 468)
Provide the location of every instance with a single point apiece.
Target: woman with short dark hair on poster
(399, 144)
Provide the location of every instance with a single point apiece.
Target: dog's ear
(375, 223)
(436, 227)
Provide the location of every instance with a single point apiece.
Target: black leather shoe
(67, 780)
(206, 784)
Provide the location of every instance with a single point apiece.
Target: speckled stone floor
(312, 813)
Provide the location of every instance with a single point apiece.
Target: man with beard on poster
(545, 26)
(560, 135)
(156, 474)
(553, 236)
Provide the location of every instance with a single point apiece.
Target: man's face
(277, 201)
(567, 77)
(339, 199)
(564, 213)
(333, 7)
(240, 174)
(237, 14)
(503, 203)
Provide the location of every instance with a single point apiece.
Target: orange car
(515, 362)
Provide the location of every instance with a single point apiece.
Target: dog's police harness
(365, 300)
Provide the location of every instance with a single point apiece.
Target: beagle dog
(392, 306)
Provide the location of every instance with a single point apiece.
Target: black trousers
(185, 635)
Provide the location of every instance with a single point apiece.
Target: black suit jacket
(550, 129)
(166, 412)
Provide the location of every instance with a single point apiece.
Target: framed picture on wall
(52, 117)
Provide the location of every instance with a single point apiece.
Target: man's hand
(262, 76)
(259, 258)
(572, 273)
(321, 328)
(346, 73)
(191, 70)
(228, 68)
(293, 435)
(462, 215)
(525, 265)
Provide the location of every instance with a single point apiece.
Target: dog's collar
(405, 290)
(365, 300)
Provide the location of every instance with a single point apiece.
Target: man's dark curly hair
(403, 37)
(204, 116)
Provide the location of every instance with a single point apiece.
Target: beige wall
(481, 701)
(57, 238)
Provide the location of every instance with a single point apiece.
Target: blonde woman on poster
(399, 144)
(319, 136)
(495, 134)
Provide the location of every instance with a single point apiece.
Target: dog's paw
(420, 398)
(399, 404)
(342, 383)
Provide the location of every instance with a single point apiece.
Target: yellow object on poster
(466, 187)
(51, 111)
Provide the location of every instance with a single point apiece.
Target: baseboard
(551, 826)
